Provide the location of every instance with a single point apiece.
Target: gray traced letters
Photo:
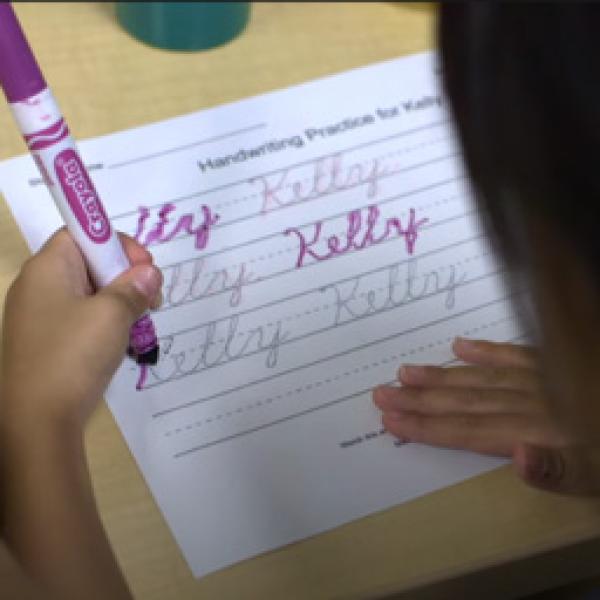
(354, 299)
(220, 342)
(187, 282)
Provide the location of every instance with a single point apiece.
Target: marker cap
(20, 75)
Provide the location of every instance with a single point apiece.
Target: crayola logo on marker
(82, 196)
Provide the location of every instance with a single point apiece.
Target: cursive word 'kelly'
(215, 344)
(325, 176)
(163, 228)
(403, 285)
(360, 233)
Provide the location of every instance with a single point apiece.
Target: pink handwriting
(358, 235)
(161, 230)
(326, 176)
(142, 376)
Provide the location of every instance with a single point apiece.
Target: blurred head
(523, 82)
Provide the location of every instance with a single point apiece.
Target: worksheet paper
(312, 240)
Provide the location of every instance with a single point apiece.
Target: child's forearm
(49, 515)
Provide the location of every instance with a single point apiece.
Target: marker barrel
(60, 164)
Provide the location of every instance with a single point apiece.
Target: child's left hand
(494, 405)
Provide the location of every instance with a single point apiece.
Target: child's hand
(494, 406)
(62, 342)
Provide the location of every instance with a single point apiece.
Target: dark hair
(523, 81)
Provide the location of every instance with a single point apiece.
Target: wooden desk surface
(106, 81)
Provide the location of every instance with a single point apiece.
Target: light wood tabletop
(487, 536)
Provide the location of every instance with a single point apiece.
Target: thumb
(572, 470)
(133, 292)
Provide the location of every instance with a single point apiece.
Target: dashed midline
(348, 373)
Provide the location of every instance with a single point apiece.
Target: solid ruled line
(216, 138)
(270, 424)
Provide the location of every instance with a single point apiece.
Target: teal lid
(183, 25)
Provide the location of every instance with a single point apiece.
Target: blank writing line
(270, 424)
(447, 363)
(216, 138)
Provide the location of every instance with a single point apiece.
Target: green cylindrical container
(183, 25)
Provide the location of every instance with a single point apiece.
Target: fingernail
(384, 390)
(412, 373)
(147, 280)
(465, 344)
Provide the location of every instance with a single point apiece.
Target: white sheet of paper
(256, 428)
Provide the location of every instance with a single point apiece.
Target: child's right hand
(61, 346)
(62, 342)
(494, 405)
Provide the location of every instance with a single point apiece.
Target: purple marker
(56, 156)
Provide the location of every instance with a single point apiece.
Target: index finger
(495, 354)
